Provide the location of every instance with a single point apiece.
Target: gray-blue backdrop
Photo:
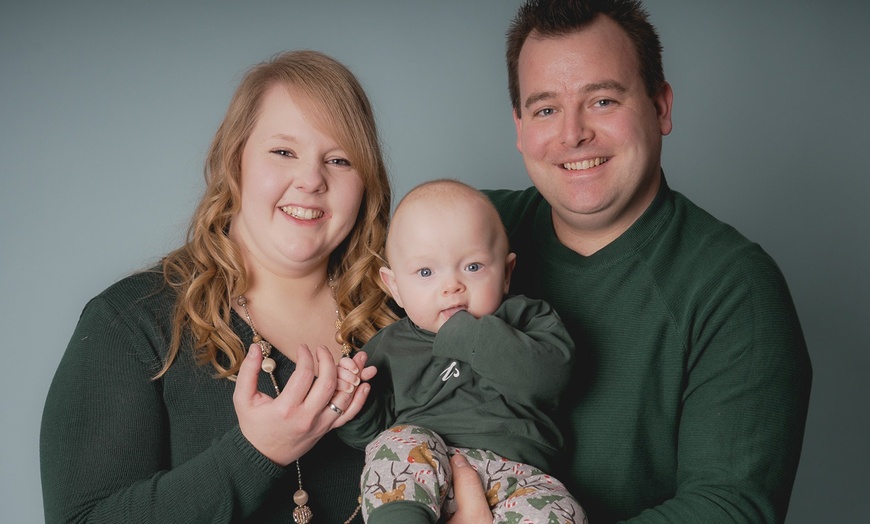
(107, 108)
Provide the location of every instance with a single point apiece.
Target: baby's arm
(523, 349)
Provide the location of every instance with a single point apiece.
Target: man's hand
(471, 504)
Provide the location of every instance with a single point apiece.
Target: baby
(468, 371)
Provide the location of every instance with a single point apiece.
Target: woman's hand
(471, 504)
(286, 427)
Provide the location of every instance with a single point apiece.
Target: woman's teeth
(302, 213)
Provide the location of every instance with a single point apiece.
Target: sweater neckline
(243, 329)
(657, 214)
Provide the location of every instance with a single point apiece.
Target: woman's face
(300, 193)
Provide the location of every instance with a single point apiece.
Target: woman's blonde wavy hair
(208, 271)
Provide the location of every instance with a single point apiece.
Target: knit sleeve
(104, 449)
(523, 349)
(745, 402)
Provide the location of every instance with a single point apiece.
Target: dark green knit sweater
(483, 383)
(117, 446)
(692, 377)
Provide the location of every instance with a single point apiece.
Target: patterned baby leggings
(407, 475)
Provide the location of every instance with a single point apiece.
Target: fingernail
(459, 461)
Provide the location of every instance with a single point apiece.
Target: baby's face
(446, 258)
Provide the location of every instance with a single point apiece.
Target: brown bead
(300, 497)
(302, 515)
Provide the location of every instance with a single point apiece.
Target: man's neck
(588, 234)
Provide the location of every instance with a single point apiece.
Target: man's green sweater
(692, 378)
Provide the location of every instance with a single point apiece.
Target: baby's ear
(509, 264)
(389, 280)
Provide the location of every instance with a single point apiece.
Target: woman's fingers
(246, 381)
(298, 385)
(302, 390)
(356, 403)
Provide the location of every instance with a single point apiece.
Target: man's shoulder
(698, 242)
(515, 205)
(691, 222)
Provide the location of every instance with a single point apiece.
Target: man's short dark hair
(555, 18)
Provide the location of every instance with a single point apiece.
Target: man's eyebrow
(606, 85)
(537, 97)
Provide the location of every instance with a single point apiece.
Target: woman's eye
(339, 162)
(473, 267)
(283, 152)
(425, 272)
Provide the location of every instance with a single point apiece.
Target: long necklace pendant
(302, 514)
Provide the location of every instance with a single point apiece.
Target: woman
(156, 413)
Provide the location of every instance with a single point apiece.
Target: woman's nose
(310, 178)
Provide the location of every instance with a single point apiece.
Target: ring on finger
(337, 409)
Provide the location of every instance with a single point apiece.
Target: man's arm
(744, 406)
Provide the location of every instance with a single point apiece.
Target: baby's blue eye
(425, 272)
(473, 267)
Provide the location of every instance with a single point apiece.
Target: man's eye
(547, 111)
(425, 272)
(604, 103)
(473, 267)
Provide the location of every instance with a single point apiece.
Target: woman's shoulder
(139, 285)
(132, 317)
(144, 292)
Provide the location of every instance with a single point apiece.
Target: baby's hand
(352, 371)
(348, 376)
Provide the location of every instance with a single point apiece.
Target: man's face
(589, 134)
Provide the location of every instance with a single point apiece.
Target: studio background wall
(107, 109)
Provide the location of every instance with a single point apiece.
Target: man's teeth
(302, 213)
(585, 164)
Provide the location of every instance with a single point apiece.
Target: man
(689, 398)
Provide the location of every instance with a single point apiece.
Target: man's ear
(518, 122)
(664, 103)
(509, 265)
(389, 280)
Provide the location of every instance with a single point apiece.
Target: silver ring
(337, 409)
